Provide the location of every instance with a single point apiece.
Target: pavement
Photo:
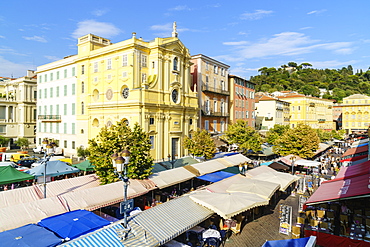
(266, 227)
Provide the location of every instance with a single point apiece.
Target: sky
(246, 35)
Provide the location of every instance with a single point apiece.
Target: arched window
(82, 87)
(82, 108)
(175, 64)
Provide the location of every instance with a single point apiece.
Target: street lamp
(292, 159)
(120, 162)
(49, 152)
(172, 159)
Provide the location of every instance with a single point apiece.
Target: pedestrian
(310, 187)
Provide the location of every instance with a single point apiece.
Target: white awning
(209, 166)
(170, 177)
(29, 213)
(237, 159)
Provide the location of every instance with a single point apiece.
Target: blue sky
(247, 35)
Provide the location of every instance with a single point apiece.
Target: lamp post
(292, 159)
(172, 159)
(120, 162)
(49, 152)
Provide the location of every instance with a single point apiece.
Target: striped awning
(110, 236)
(170, 219)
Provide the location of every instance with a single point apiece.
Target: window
(65, 73)
(82, 87)
(124, 60)
(109, 63)
(175, 65)
(151, 138)
(207, 64)
(51, 76)
(51, 92)
(57, 91)
(247, 114)
(190, 121)
(65, 128)
(44, 127)
(82, 108)
(65, 90)
(299, 108)
(73, 144)
(153, 65)
(96, 67)
(34, 114)
(73, 89)
(143, 60)
(73, 128)
(73, 71)
(65, 109)
(45, 78)
(207, 107)
(82, 69)
(222, 126)
(222, 85)
(57, 110)
(215, 125)
(57, 129)
(222, 71)
(143, 77)
(151, 120)
(206, 125)
(58, 75)
(40, 79)
(215, 106)
(73, 108)
(40, 94)
(215, 69)
(65, 144)
(51, 128)
(45, 93)
(51, 110)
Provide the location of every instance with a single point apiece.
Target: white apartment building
(56, 104)
(18, 107)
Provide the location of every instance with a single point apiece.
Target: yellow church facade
(144, 82)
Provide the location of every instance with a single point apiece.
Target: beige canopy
(228, 204)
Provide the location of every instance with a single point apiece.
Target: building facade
(210, 80)
(18, 99)
(312, 111)
(355, 113)
(270, 111)
(148, 83)
(337, 116)
(242, 104)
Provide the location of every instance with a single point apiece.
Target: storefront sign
(285, 219)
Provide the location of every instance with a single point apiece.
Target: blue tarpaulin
(364, 144)
(267, 163)
(29, 236)
(216, 176)
(298, 242)
(72, 224)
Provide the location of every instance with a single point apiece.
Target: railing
(215, 114)
(50, 117)
(215, 90)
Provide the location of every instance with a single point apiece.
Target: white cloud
(104, 29)
(11, 69)
(36, 38)
(285, 44)
(2, 37)
(52, 58)
(100, 12)
(166, 29)
(332, 64)
(180, 8)
(316, 11)
(235, 43)
(304, 28)
(256, 15)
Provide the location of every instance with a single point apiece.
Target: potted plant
(3, 142)
(23, 143)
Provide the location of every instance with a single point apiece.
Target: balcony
(212, 113)
(50, 118)
(312, 105)
(321, 120)
(269, 118)
(206, 88)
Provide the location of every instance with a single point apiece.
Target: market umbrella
(228, 204)
(254, 186)
(53, 168)
(85, 166)
(304, 162)
(72, 224)
(29, 236)
(10, 175)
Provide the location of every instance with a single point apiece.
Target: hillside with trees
(307, 80)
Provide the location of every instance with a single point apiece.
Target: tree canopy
(307, 80)
(246, 137)
(276, 132)
(115, 139)
(200, 144)
(302, 141)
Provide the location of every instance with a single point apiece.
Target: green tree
(324, 135)
(246, 137)
(82, 152)
(276, 132)
(23, 143)
(200, 144)
(115, 139)
(301, 140)
(3, 141)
